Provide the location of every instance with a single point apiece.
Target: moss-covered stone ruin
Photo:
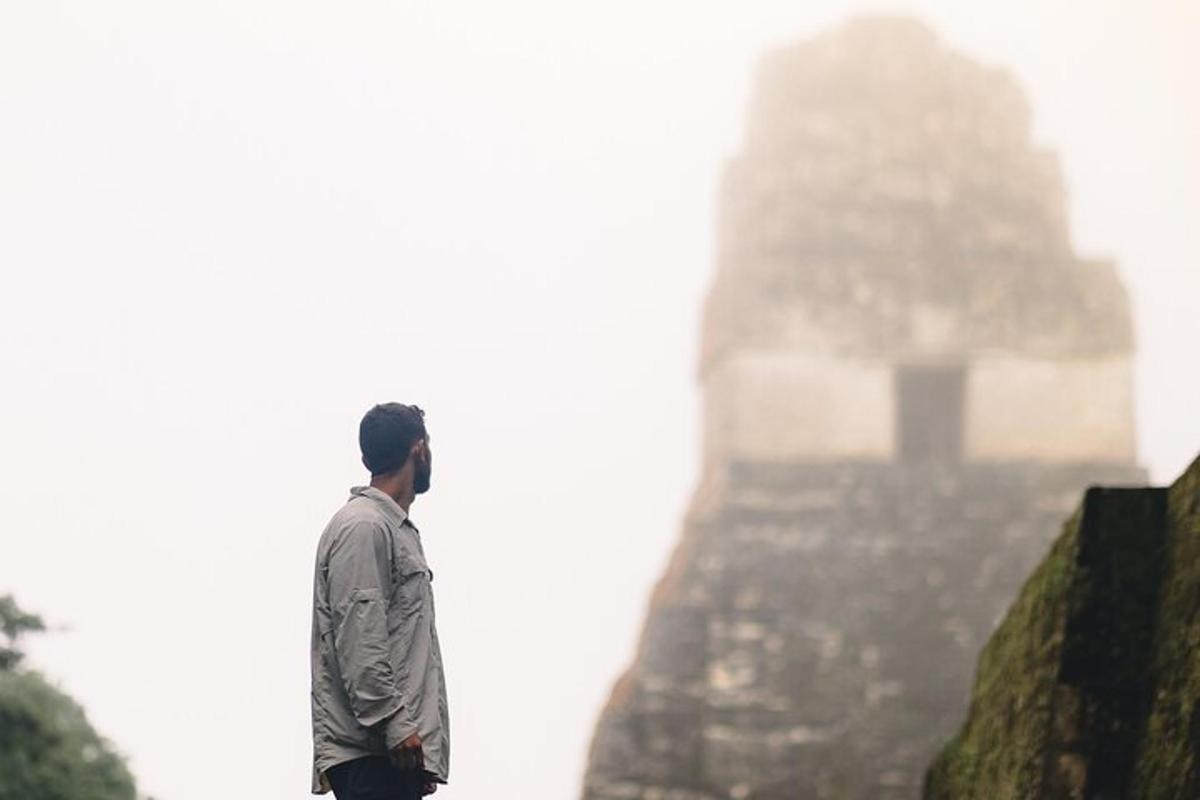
(1090, 688)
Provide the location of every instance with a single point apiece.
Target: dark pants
(375, 778)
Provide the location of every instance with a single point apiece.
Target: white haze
(227, 228)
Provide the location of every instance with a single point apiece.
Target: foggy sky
(228, 228)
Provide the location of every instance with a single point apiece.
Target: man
(380, 724)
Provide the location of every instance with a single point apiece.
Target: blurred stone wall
(908, 377)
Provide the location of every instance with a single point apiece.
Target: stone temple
(908, 377)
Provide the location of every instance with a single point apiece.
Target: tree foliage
(13, 623)
(48, 750)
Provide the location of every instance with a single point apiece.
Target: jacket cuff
(398, 728)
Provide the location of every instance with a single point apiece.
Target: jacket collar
(390, 506)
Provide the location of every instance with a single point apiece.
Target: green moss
(996, 756)
(1091, 686)
(1166, 765)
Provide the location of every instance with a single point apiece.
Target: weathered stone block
(1089, 688)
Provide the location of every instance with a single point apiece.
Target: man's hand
(430, 787)
(408, 754)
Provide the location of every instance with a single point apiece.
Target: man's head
(393, 435)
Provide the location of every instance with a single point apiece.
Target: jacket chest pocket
(412, 583)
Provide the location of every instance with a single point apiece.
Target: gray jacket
(376, 665)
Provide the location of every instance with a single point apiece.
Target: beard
(422, 477)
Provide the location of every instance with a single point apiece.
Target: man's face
(423, 467)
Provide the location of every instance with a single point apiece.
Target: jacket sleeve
(360, 587)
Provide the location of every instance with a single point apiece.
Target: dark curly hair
(386, 435)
